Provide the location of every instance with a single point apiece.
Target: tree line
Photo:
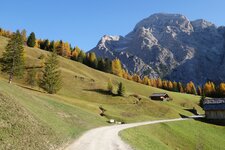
(13, 63)
(208, 89)
(65, 49)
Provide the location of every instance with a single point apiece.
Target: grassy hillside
(18, 127)
(76, 107)
(31, 120)
(184, 135)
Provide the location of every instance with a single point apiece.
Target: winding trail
(107, 138)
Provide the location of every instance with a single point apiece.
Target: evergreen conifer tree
(13, 57)
(51, 80)
(121, 89)
(31, 40)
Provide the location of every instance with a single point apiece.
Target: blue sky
(84, 22)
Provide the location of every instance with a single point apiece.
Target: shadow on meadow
(101, 91)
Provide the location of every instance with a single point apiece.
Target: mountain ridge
(169, 46)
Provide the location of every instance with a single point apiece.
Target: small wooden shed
(214, 108)
(160, 96)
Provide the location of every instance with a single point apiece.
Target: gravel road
(106, 138)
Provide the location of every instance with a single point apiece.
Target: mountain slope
(75, 109)
(170, 46)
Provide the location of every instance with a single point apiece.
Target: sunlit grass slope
(184, 135)
(75, 108)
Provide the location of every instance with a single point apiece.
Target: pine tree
(121, 89)
(51, 79)
(13, 57)
(31, 40)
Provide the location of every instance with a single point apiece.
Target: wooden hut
(160, 96)
(214, 108)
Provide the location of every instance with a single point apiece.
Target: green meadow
(33, 119)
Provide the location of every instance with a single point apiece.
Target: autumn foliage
(115, 67)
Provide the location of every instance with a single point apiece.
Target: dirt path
(106, 138)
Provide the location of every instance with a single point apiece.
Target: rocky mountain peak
(201, 24)
(170, 46)
(163, 21)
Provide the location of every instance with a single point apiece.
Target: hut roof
(214, 104)
(158, 94)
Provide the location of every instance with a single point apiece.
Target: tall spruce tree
(31, 40)
(51, 79)
(121, 89)
(13, 57)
